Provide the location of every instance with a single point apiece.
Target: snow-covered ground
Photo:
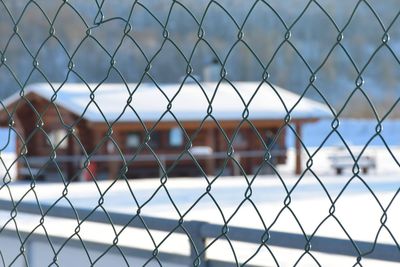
(386, 160)
(7, 166)
(7, 154)
(358, 209)
(355, 132)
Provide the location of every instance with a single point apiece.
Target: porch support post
(298, 168)
(210, 161)
(71, 164)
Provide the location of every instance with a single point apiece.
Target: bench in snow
(340, 162)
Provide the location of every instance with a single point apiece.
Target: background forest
(50, 41)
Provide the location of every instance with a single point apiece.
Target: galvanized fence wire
(100, 20)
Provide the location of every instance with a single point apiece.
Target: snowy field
(7, 154)
(355, 132)
(357, 209)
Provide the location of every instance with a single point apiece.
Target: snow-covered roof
(189, 104)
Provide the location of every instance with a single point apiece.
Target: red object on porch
(90, 171)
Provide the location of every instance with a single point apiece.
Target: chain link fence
(97, 95)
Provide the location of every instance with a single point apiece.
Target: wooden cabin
(86, 131)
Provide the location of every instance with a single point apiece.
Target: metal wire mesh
(89, 21)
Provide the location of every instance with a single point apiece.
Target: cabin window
(154, 141)
(175, 137)
(240, 140)
(58, 138)
(132, 140)
(110, 147)
(269, 137)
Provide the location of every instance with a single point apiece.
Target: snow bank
(355, 132)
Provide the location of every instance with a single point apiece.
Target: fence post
(197, 248)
